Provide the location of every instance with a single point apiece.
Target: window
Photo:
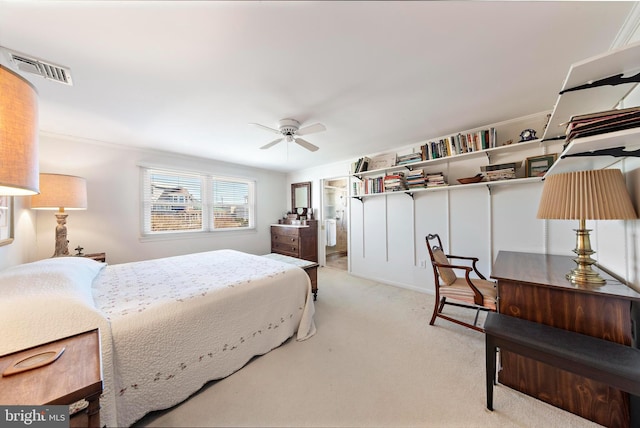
(190, 202)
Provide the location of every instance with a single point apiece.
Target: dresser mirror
(301, 197)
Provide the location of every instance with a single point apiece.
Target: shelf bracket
(489, 189)
(410, 194)
(616, 152)
(488, 157)
(610, 81)
(357, 197)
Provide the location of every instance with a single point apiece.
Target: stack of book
(416, 179)
(504, 171)
(602, 122)
(435, 179)
(410, 158)
(394, 182)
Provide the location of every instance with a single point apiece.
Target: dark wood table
(74, 376)
(533, 287)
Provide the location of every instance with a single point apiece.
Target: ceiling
(189, 77)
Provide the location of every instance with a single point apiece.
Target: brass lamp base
(583, 274)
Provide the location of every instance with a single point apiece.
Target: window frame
(207, 203)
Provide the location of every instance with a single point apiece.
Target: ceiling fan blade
(273, 143)
(311, 129)
(307, 145)
(275, 131)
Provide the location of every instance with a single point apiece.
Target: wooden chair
(463, 291)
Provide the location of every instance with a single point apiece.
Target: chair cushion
(460, 290)
(447, 274)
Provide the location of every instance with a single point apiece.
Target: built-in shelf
(570, 102)
(488, 184)
(589, 153)
(461, 157)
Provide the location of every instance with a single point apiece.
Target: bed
(167, 326)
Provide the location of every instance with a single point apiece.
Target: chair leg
(437, 309)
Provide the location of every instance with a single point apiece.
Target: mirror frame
(294, 186)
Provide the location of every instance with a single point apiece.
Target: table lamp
(585, 195)
(18, 135)
(61, 192)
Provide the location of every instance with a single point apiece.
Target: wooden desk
(74, 376)
(534, 287)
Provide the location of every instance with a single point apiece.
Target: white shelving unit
(586, 153)
(625, 61)
(489, 153)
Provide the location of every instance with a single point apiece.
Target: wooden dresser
(299, 241)
(534, 287)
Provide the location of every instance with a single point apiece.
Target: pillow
(55, 276)
(447, 274)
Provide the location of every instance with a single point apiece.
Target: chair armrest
(478, 297)
(474, 260)
(451, 256)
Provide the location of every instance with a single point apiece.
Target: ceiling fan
(290, 130)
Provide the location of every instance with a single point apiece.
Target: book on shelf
(415, 179)
(460, 143)
(361, 165)
(394, 181)
(602, 122)
(409, 158)
(435, 179)
(501, 174)
(498, 166)
(502, 171)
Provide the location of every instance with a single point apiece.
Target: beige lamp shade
(586, 195)
(18, 135)
(63, 192)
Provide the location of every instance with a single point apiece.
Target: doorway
(336, 224)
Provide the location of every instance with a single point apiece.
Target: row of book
(460, 143)
(399, 181)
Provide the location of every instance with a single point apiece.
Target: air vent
(39, 67)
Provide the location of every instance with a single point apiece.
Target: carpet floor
(374, 362)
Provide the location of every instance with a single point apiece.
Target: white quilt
(170, 325)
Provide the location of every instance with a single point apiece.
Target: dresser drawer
(290, 249)
(286, 239)
(284, 231)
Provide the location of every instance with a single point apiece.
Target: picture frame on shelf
(6, 220)
(537, 166)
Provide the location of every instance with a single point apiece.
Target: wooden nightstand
(99, 257)
(74, 376)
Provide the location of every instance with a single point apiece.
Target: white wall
(112, 221)
(23, 248)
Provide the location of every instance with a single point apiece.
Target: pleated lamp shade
(63, 192)
(18, 135)
(586, 195)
